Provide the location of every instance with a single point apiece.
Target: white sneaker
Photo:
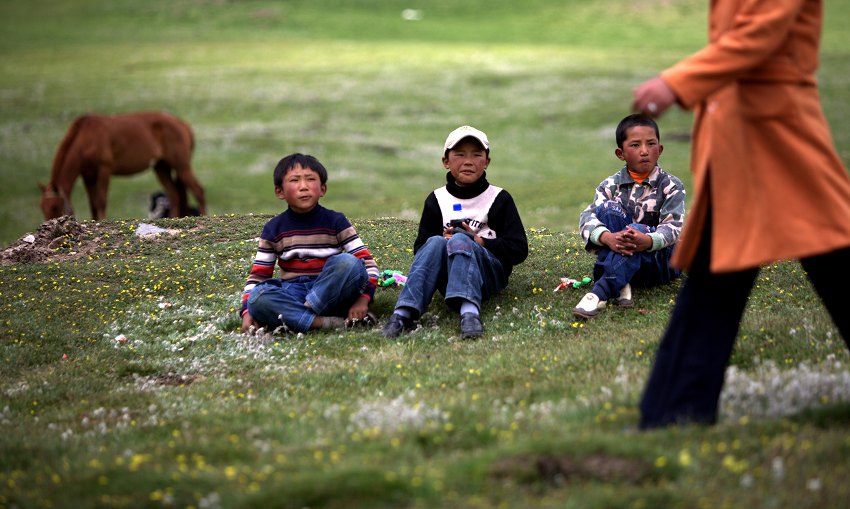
(624, 300)
(588, 306)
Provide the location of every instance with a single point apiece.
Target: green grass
(189, 413)
(370, 94)
(373, 96)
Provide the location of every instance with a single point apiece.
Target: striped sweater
(301, 243)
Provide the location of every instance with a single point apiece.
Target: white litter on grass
(145, 230)
(411, 14)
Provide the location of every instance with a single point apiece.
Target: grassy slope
(367, 92)
(370, 94)
(189, 414)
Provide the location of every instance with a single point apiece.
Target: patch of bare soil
(176, 379)
(564, 469)
(64, 238)
(59, 239)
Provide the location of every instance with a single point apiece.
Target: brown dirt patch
(176, 379)
(564, 469)
(56, 239)
(64, 238)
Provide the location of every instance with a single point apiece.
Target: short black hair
(633, 120)
(302, 160)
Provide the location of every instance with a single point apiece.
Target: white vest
(473, 209)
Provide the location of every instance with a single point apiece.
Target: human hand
(619, 242)
(359, 309)
(641, 241)
(248, 322)
(653, 97)
(463, 229)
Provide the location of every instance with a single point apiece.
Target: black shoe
(470, 326)
(396, 325)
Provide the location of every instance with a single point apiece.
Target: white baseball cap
(466, 131)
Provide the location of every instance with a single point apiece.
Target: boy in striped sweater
(470, 237)
(327, 275)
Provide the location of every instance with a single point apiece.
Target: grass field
(188, 413)
(370, 94)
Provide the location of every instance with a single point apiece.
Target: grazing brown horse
(97, 147)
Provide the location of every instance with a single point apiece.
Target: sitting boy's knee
(460, 243)
(436, 239)
(437, 242)
(611, 207)
(343, 262)
(258, 302)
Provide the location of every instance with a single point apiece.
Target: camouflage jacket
(658, 202)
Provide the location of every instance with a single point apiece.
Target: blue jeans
(613, 271)
(459, 267)
(332, 293)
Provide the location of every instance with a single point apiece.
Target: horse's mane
(62, 151)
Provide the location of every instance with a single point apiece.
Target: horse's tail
(64, 147)
(191, 136)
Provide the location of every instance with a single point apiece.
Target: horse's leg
(98, 205)
(163, 173)
(97, 185)
(184, 200)
(185, 175)
(177, 149)
(183, 208)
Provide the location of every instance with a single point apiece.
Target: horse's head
(54, 202)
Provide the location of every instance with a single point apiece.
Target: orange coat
(761, 145)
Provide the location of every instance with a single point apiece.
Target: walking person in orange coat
(769, 186)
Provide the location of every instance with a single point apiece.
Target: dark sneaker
(396, 325)
(625, 298)
(471, 326)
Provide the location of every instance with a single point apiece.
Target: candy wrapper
(391, 278)
(568, 282)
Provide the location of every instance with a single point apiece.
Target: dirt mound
(56, 239)
(563, 469)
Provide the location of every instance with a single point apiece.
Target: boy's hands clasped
(626, 242)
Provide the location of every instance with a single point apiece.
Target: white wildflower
(769, 391)
(399, 413)
(777, 467)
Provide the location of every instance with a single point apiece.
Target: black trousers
(687, 377)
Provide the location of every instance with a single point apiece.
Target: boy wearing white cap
(470, 237)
